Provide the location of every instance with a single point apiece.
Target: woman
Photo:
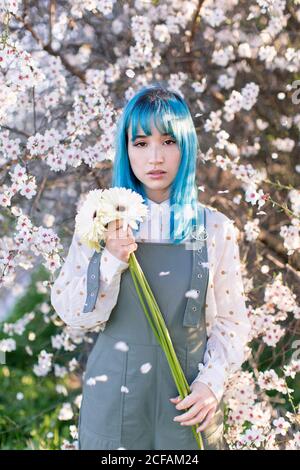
(129, 397)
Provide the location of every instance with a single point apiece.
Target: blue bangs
(171, 115)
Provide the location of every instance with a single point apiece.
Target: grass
(26, 424)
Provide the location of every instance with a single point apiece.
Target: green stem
(161, 332)
(133, 274)
(158, 326)
(166, 342)
(164, 327)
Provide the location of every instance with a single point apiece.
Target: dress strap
(93, 281)
(195, 306)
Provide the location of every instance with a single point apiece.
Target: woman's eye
(136, 145)
(144, 143)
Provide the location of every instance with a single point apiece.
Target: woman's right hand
(120, 243)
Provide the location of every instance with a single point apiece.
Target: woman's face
(154, 152)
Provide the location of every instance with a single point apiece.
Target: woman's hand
(118, 242)
(202, 404)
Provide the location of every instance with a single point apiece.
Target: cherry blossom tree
(67, 68)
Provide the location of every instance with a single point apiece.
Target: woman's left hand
(202, 404)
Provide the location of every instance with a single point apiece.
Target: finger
(128, 231)
(198, 418)
(193, 397)
(187, 401)
(134, 247)
(129, 251)
(120, 234)
(176, 399)
(128, 241)
(113, 226)
(190, 414)
(207, 420)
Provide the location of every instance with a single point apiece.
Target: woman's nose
(155, 155)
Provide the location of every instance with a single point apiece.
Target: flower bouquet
(101, 207)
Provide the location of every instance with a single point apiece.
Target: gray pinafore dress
(127, 405)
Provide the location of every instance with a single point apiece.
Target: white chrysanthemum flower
(88, 220)
(103, 206)
(125, 204)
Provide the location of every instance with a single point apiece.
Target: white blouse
(227, 322)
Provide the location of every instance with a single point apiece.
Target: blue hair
(171, 115)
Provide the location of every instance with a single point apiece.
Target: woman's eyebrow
(139, 136)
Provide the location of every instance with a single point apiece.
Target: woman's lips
(157, 175)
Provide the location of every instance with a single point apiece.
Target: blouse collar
(154, 204)
(158, 214)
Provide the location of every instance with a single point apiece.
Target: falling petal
(101, 378)
(261, 213)
(145, 368)
(91, 381)
(130, 73)
(164, 273)
(205, 264)
(192, 293)
(121, 346)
